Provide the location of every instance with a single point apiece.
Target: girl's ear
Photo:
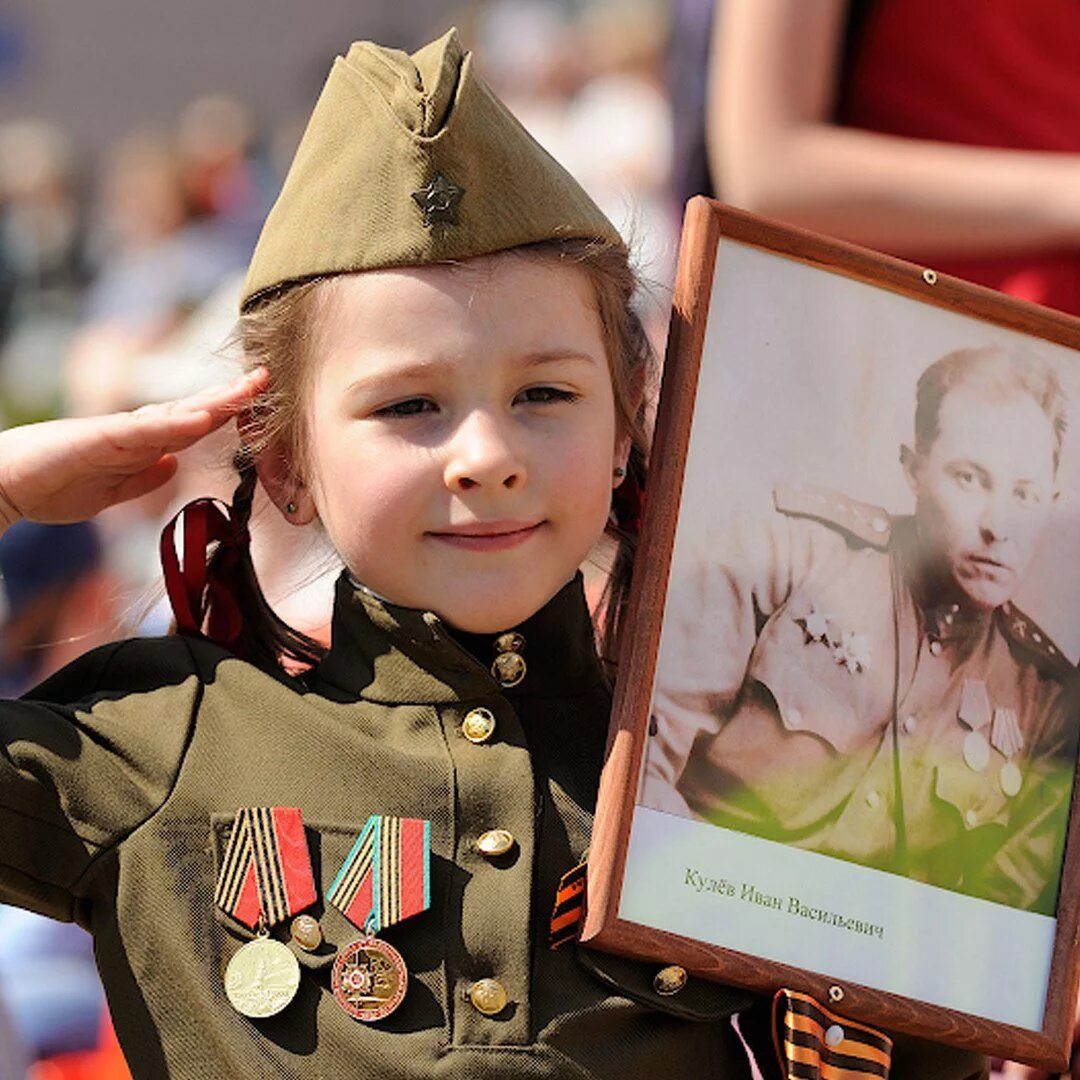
(285, 488)
(622, 456)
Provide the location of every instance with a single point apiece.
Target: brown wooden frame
(707, 223)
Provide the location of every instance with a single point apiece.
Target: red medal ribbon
(266, 872)
(386, 877)
(813, 1043)
(193, 594)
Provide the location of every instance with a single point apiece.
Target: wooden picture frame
(640, 903)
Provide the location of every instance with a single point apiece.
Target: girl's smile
(489, 536)
(462, 429)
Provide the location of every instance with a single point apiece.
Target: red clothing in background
(994, 73)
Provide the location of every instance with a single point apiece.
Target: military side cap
(409, 160)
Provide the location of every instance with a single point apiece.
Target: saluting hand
(69, 470)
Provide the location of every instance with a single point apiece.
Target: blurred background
(142, 144)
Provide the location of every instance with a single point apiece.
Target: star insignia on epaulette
(439, 200)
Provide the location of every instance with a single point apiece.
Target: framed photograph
(845, 762)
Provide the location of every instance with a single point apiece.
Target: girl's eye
(542, 395)
(411, 407)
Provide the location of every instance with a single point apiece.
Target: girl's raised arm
(69, 470)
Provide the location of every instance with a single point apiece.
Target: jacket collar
(396, 655)
(945, 616)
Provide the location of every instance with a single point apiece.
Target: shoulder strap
(1025, 633)
(867, 523)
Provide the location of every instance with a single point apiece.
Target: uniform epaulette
(865, 522)
(1025, 632)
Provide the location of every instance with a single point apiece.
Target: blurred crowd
(120, 272)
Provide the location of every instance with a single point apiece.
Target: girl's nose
(482, 454)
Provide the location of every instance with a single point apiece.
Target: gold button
(478, 725)
(494, 842)
(508, 668)
(670, 980)
(488, 996)
(306, 932)
(510, 642)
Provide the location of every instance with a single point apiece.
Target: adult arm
(774, 150)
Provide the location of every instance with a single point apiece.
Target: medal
(262, 978)
(369, 979)
(265, 877)
(385, 879)
(976, 751)
(1010, 779)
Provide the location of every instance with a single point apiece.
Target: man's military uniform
(120, 777)
(811, 691)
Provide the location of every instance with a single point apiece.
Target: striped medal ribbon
(265, 877)
(569, 910)
(813, 1043)
(385, 879)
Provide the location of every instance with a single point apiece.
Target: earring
(619, 472)
(290, 508)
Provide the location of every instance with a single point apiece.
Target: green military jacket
(120, 777)
(811, 691)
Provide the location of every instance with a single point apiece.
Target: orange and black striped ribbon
(569, 909)
(266, 872)
(813, 1043)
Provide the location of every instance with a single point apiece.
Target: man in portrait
(862, 685)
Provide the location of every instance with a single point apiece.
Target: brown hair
(997, 374)
(277, 333)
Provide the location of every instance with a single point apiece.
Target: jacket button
(478, 725)
(306, 932)
(508, 669)
(488, 996)
(670, 980)
(494, 842)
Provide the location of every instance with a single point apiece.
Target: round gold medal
(369, 979)
(262, 978)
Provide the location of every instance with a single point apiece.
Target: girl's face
(463, 437)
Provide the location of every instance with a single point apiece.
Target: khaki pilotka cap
(410, 160)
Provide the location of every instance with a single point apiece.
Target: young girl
(352, 871)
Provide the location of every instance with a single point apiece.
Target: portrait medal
(385, 879)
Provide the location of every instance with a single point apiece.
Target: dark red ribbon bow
(196, 596)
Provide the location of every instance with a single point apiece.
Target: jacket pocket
(329, 844)
(977, 797)
(805, 704)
